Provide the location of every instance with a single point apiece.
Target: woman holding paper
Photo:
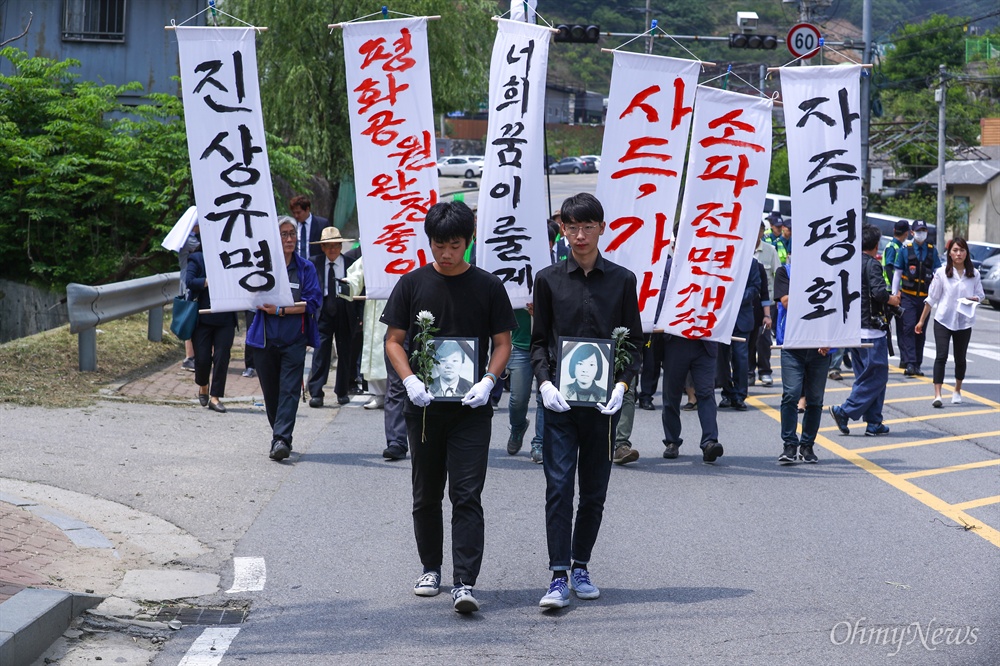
(955, 291)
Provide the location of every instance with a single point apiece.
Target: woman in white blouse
(953, 283)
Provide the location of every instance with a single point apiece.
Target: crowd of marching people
(443, 420)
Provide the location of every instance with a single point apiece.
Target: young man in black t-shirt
(450, 441)
(585, 296)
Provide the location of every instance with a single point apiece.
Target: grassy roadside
(43, 370)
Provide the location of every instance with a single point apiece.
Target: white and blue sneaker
(557, 596)
(428, 585)
(462, 599)
(579, 580)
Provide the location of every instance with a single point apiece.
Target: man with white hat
(338, 319)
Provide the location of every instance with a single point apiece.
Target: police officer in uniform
(915, 264)
(900, 232)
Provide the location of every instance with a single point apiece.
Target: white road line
(250, 574)
(209, 648)
(986, 353)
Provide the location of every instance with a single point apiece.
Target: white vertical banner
(724, 193)
(512, 238)
(523, 10)
(645, 140)
(392, 137)
(822, 107)
(232, 180)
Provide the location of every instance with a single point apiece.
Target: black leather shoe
(316, 402)
(725, 403)
(217, 406)
(647, 404)
(203, 399)
(910, 371)
(343, 399)
(670, 452)
(279, 450)
(711, 452)
(740, 406)
(394, 452)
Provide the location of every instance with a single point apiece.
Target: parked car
(572, 165)
(980, 252)
(989, 273)
(886, 222)
(461, 166)
(596, 159)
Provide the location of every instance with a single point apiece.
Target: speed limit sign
(803, 40)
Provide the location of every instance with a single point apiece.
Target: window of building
(94, 20)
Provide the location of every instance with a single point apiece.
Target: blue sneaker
(557, 596)
(840, 418)
(580, 582)
(876, 429)
(462, 599)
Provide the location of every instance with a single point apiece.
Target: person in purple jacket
(280, 336)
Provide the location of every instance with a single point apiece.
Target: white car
(460, 166)
(596, 158)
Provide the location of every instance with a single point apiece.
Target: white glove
(552, 398)
(417, 391)
(479, 394)
(615, 401)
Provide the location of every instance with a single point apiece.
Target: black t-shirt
(471, 305)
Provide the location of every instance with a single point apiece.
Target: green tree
(88, 187)
(303, 84)
(915, 51)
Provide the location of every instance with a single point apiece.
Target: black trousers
(332, 329)
(652, 361)
(455, 450)
(942, 336)
(911, 344)
(212, 347)
(279, 369)
(683, 356)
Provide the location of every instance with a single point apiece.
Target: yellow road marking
(953, 468)
(950, 511)
(927, 417)
(924, 442)
(915, 398)
(951, 387)
(975, 504)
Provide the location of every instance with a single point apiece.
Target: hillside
(586, 65)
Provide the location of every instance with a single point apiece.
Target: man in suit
(449, 383)
(733, 359)
(310, 227)
(683, 355)
(338, 319)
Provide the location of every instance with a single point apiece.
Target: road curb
(33, 619)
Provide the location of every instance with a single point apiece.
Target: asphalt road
(742, 562)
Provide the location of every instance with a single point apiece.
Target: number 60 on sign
(803, 40)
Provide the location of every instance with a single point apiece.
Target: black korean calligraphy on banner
(392, 137)
(512, 241)
(645, 139)
(229, 168)
(822, 120)
(724, 193)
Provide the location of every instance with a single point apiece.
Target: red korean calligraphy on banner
(512, 240)
(645, 140)
(822, 117)
(724, 191)
(392, 136)
(229, 168)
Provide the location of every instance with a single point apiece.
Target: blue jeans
(871, 373)
(803, 372)
(575, 442)
(519, 367)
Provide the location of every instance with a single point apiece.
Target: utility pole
(649, 25)
(941, 95)
(866, 58)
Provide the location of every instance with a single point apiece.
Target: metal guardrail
(91, 306)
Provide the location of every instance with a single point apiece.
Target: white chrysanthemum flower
(620, 332)
(425, 318)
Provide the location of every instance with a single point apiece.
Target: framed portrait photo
(585, 370)
(456, 369)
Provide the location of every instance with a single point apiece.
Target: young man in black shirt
(584, 296)
(449, 441)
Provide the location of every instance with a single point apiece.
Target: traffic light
(740, 40)
(578, 34)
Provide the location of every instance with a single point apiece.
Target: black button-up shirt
(571, 304)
